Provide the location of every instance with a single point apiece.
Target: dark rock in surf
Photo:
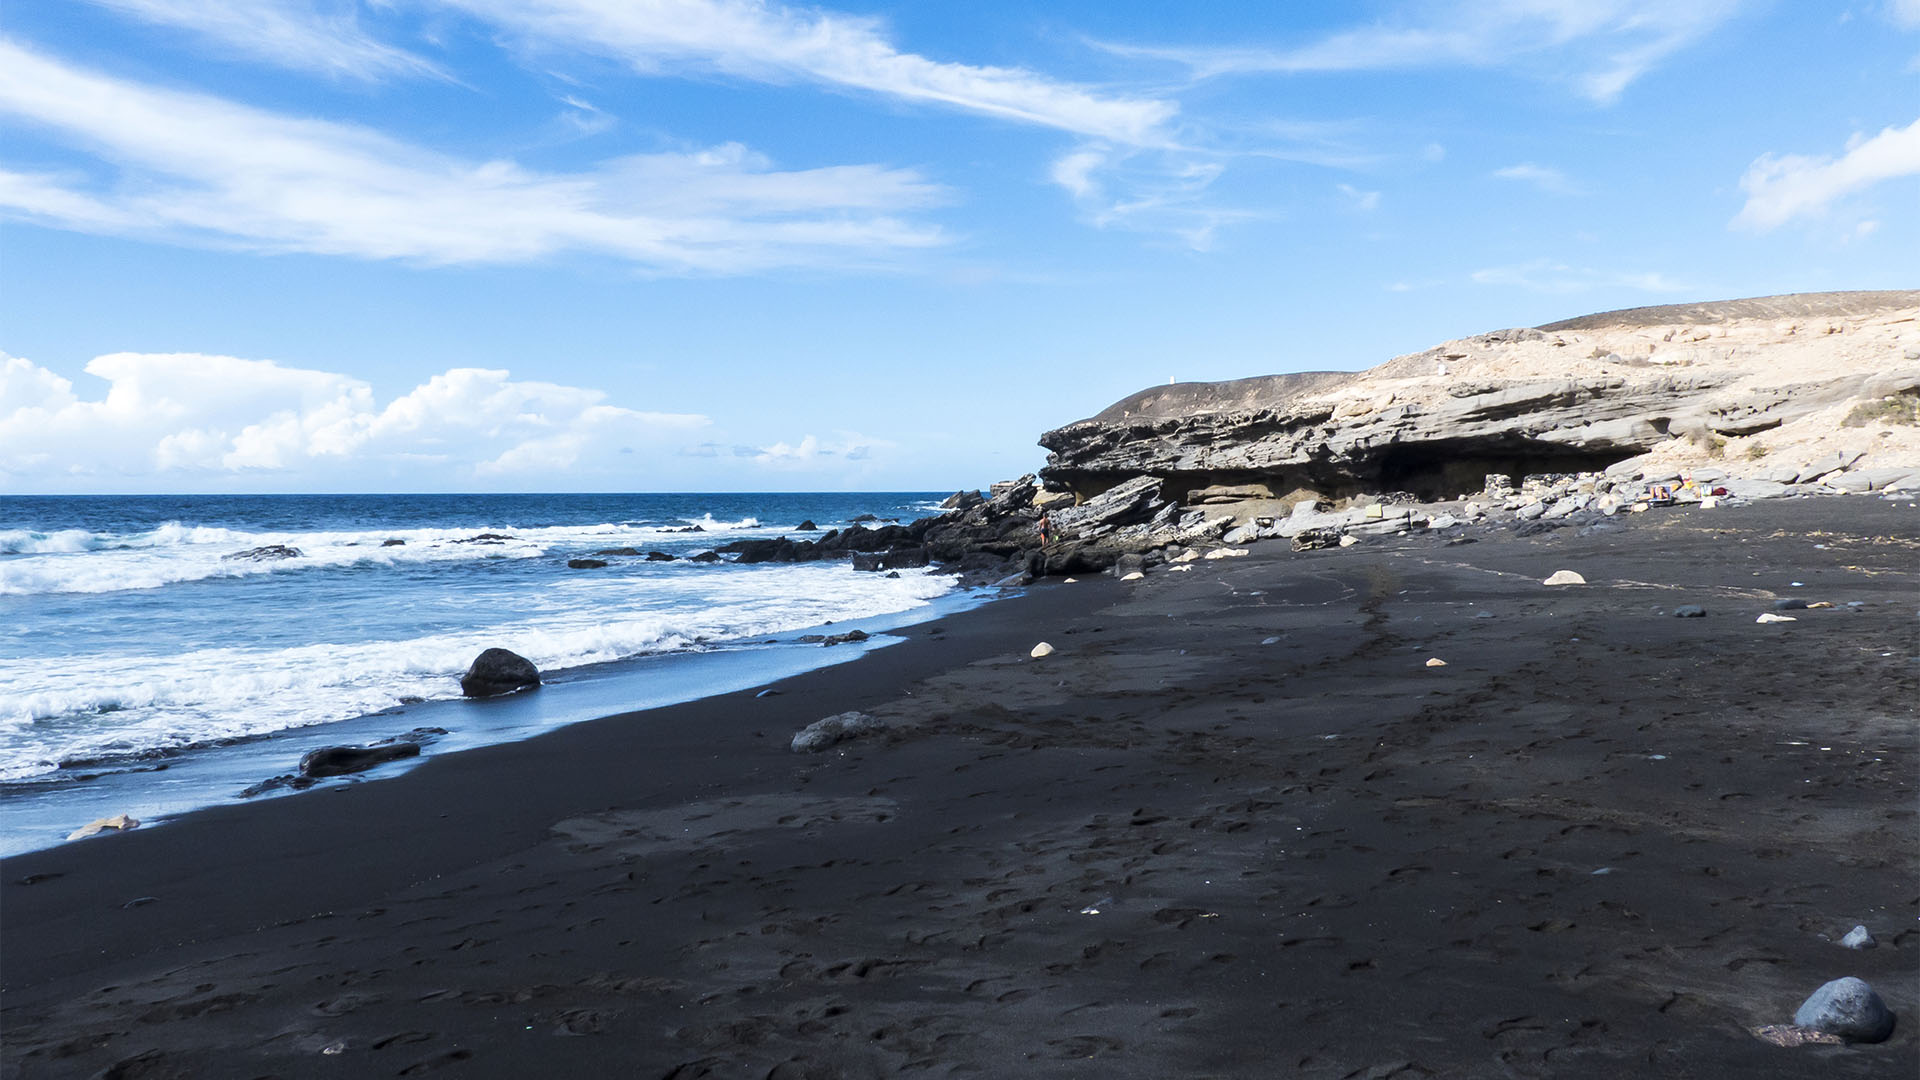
(393, 543)
(806, 526)
(704, 557)
(498, 671)
(659, 556)
(341, 760)
(266, 554)
(626, 552)
(585, 564)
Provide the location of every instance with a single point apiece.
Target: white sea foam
(76, 561)
(110, 704)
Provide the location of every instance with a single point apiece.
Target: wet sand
(1233, 827)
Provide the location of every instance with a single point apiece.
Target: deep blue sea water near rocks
(145, 669)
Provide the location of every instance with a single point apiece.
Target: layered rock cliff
(1756, 386)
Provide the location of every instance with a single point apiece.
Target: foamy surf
(132, 638)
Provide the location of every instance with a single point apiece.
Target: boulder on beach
(498, 671)
(1564, 577)
(1849, 1008)
(340, 760)
(840, 727)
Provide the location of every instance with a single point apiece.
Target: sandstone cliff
(1760, 387)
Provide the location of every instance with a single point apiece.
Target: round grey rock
(1848, 1008)
(1689, 611)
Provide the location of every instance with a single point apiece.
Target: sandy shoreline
(1600, 841)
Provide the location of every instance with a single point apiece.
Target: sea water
(146, 659)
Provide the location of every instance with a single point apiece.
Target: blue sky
(657, 245)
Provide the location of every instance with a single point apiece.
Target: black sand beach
(1234, 827)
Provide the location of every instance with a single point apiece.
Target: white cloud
(1362, 201)
(1606, 43)
(1781, 188)
(289, 33)
(811, 450)
(1547, 276)
(1905, 12)
(1147, 191)
(1543, 177)
(771, 42)
(201, 416)
(192, 167)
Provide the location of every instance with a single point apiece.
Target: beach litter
(116, 822)
(1040, 650)
(1788, 1035)
(1564, 577)
(1770, 617)
(1436, 662)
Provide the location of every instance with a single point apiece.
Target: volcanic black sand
(1234, 826)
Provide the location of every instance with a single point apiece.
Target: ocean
(147, 666)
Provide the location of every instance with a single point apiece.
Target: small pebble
(1858, 938)
(1689, 611)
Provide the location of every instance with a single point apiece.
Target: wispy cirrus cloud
(1549, 276)
(1544, 177)
(1783, 187)
(1607, 44)
(184, 166)
(290, 33)
(212, 416)
(771, 42)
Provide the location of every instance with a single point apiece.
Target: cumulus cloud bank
(191, 416)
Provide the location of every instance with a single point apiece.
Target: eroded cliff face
(1750, 384)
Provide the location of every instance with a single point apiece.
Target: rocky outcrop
(265, 554)
(1569, 397)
